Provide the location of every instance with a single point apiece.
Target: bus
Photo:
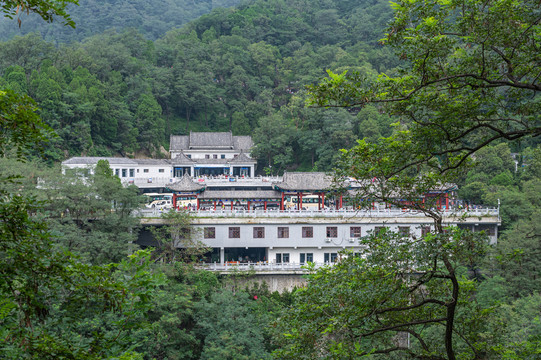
(159, 201)
(309, 202)
(184, 202)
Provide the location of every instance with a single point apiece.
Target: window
(379, 229)
(138, 171)
(234, 232)
(307, 232)
(132, 172)
(306, 257)
(189, 156)
(282, 258)
(207, 156)
(404, 231)
(283, 232)
(124, 172)
(215, 156)
(145, 170)
(161, 170)
(259, 232)
(332, 231)
(355, 231)
(209, 232)
(330, 257)
(222, 156)
(425, 230)
(117, 172)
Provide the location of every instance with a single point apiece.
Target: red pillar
(214, 205)
(446, 201)
(282, 202)
(300, 201)
(340, 203)
(197, 199)
(232, 201)
(248, 205)
(322, 200)
(175, 201)
(265, 205)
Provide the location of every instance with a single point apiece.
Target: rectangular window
(117, 172)
(161, 170)
(124, 172)
(138, 171)
(132, 172)
(234, 232)
(215, 156)
(283, 232)
(307, 232)
(189, 156)
(222, 156)
(306, 257)
(379, 229)
(210, 233)
(145, 170)
(355, 231)
(404, 231)
(330, 257)
(207, 156)
(332, 231)
(282, 258)
(259, 232)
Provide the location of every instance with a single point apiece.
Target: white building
(200, 155)
(282, 220)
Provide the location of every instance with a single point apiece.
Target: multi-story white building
(199, 155)
(271, 220)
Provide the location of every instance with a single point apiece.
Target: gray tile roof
(186, 184)
(243, 142)
(248, 194)
(115, 161)
(242, 158)
(94, 161)
(305, 181)
(209, 140)
(162, 162)
(181, 159)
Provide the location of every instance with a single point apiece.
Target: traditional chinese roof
(186, 184)
(242, 158)
(181, 159)
(210, 140)
(305, 181)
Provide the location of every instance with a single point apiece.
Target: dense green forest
(74, 285)
(241, 69)
(151, 18)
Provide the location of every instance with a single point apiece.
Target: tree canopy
(470, 77)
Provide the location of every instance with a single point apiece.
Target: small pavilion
(300, 184)
(187, 188)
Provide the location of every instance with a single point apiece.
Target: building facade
(287, 220)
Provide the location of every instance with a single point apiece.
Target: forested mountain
(150, 18)
(69, 290)
(241, 69)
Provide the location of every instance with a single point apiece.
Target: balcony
(342, 213)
